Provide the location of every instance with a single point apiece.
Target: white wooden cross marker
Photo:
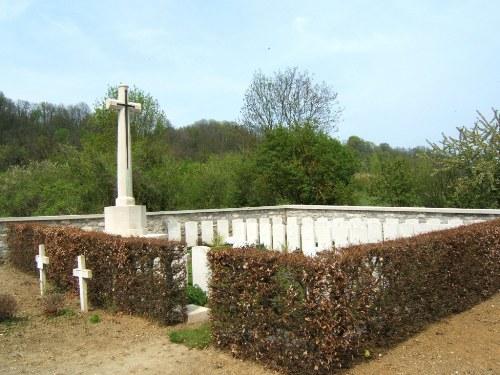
(124, 160)
(82, 274)
(41, 261)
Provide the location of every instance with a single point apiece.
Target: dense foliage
(473, 162)
(57, 159)
(304, 315)
(301, 165)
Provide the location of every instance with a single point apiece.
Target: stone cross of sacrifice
(82, 274)
(41, 261)
(124, 160)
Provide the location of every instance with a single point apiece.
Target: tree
(473, 163)
(149, 120)
(288, 98)
(301, 165)
(394, 182)
(204, 138)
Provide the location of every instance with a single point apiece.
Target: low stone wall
(173, 223)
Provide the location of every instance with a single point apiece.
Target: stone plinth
(125, 220)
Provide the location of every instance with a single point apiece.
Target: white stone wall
(307, 227)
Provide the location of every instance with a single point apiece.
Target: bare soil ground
(468, 343)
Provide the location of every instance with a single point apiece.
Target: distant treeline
(57, 159)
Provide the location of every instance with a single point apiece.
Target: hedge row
(428, 277)
(135, 275)
(313, 315)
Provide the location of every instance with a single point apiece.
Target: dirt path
(466, 344)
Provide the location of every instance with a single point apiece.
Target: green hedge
(135, 275)
(314, 315)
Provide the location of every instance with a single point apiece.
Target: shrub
(314, 315)
(52, 304)
(196, 295)
(8, 306)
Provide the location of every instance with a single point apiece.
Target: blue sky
(405, 71)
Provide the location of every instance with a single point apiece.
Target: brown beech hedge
(135, 275)
(314, 315)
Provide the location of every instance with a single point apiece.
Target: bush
(8, 306)
(196, 295)
(52, 304)
(314, 315)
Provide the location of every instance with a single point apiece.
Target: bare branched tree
(288, 98)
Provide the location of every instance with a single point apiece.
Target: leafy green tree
(363, 149)
(302, 165)
(393, 182)
(210, 184)
(151, 118)
(288, 98)
(39, 188)
(35, 132)
(473, 163)
(431, 186)
(210, 137)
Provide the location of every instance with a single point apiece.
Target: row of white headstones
(81, 272)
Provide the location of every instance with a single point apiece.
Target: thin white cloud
(326, 42)
(299, 24)
(13, 8)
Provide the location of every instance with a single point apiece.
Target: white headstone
(308, 237)
(207, 232)
(432, 225)
(340, 232)
(239, 232)
(292, 234)
(83, 274)
(323, 233)
(265, 232)
(374, 230)
(174, 230)
(391, 229)
(407, 228)
(191, 228)
(455, 223)
(223, 229)
(278, 231)
(201, 270)
(252, 231)
(41, 261)
(358, 231)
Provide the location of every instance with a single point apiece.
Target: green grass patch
(199, 337)
(66, 312)
(11, 324)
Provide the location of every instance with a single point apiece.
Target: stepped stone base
(125, 220)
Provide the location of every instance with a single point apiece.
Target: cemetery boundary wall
(292, 226)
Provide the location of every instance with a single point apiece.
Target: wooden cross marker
(82, 274)
(41, 261)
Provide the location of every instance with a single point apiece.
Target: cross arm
(116, 104)
(86, 274)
